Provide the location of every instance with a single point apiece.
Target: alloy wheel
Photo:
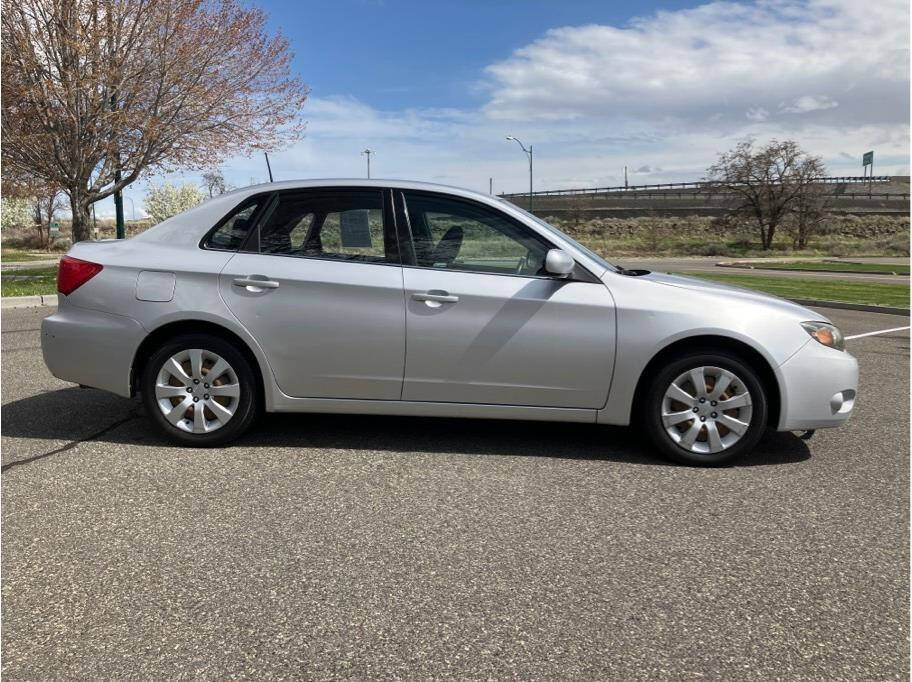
(706, 410)
(197, 390)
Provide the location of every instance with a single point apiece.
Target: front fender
(652, 317)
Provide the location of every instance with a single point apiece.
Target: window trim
(255, 219)
(389, 228)
(580, 272)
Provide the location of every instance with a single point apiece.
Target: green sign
(55, 227)
(867, 159)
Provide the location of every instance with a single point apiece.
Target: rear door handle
(255, 281)
(436, 296)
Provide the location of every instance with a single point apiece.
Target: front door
(485, 323)
(318, 284)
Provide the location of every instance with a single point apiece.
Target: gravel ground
(359, 547)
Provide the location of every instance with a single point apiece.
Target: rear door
(319, 285)
(485, 323)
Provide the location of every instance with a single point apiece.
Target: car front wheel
(200, 390)
(706, 409)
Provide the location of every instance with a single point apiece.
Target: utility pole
(268, 167)
(367, 153)
(529, 154)
(625, 177)
(491, 186)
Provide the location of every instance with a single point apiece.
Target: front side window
(232, 231)
(458, 235)
(345, 225)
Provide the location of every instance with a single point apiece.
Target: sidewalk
(28, 264)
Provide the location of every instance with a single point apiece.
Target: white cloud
(688, 65)
(666, 92)
(807, 103)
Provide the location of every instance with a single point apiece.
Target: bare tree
(214, 182)
(766, 183)
(808, 214)
(48, 204)
(44, 201)
(99, 92)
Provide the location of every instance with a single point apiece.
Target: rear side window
(335, 225)
(232, 231)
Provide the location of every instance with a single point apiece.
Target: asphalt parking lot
(363, 547)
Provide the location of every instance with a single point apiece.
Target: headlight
(825, 333)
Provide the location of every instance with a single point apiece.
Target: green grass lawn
(15, 256)
(869, 293)
(44, 281)
(830, 266)
(29, 282)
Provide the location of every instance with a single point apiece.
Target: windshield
(589, 252)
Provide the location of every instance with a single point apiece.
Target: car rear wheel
(200, 390)
(706, 409)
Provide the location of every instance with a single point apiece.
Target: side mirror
(559, 263)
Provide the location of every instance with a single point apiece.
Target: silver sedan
(404, 298)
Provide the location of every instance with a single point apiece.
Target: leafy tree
(16, 212)
(166, 200)
(97, 93)
(768, 183)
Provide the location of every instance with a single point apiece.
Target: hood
(715, 288)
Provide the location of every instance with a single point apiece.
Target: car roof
(355, 182)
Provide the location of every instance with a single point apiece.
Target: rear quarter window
(231, 232)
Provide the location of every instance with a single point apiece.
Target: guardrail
(668, 196)
(835, 180)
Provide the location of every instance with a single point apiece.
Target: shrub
(61, 244)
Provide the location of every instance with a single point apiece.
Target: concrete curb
(49, 300)
(887, 310)
(760, 267)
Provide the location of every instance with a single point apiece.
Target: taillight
(73, 273)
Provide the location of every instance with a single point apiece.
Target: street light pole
(132, 205)
(529, 154)
(120, 230)
(367, 153)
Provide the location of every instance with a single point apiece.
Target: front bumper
(90, 347)
(819, 386)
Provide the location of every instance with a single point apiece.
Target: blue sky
(397, 55)
(662, 87)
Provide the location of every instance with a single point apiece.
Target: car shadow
(74, 414)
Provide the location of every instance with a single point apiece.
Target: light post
(529, 153)
(367, 153)
(132, 205)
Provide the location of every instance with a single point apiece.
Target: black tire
(651, 408)
(245, 409)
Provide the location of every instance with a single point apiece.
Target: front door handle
(435, 296)
(258, 281)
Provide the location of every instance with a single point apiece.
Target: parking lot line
(880, 331)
